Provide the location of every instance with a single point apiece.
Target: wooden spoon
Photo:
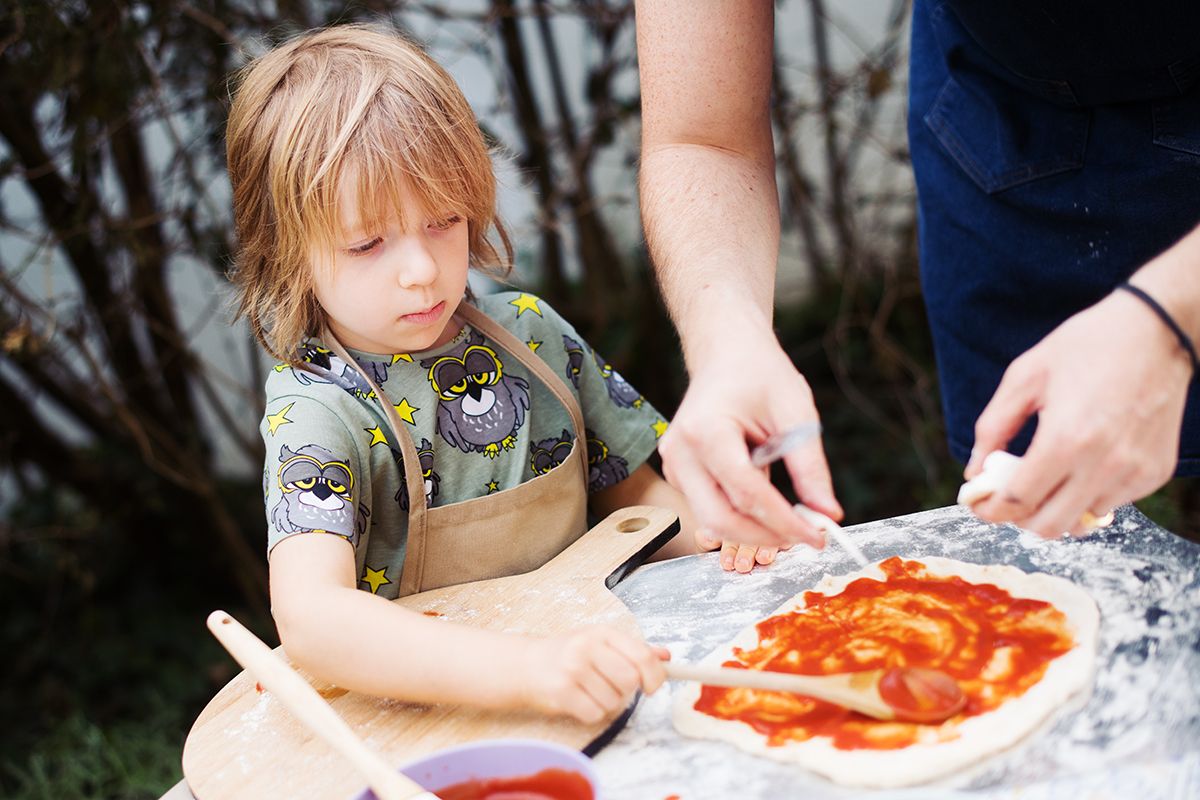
(908, 694)
(302, 700)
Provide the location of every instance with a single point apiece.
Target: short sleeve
(313, 472)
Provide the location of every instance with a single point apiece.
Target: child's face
(393, 290)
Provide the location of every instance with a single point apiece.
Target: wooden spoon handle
(302, 700)
(855, 691)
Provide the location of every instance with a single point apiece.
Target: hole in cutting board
(632, 525)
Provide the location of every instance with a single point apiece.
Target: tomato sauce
(549, 784)
(994, 645)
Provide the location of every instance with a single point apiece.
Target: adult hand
(1109, 387)
(742, 397)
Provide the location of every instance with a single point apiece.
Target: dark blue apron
(1056, 146)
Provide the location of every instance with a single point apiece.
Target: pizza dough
(940, 749)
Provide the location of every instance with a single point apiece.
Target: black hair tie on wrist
(1184, 340)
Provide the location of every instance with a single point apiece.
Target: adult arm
(711, 214)
(1109, 386)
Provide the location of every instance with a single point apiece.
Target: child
(417, 437)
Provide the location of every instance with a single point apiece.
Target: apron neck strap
(414, 479)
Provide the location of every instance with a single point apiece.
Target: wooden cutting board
(246, 745)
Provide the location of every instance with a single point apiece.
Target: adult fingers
(810, 476)
(1014, 401)
(1062, 512)
(749, 490)
(712, 507)
(1044, 469)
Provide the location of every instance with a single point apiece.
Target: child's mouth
(427, 316)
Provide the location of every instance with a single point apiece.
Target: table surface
(1135, 735)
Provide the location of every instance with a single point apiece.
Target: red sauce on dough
(994, 645)
(549, 784)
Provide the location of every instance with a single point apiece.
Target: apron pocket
(1003, 137)
(1177, 124)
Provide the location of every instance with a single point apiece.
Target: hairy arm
(707, 179)
(711, 214)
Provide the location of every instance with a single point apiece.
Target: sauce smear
(549, 784)
(995, 646)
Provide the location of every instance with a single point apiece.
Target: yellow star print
(375, 578)
(492, 486)
(401, 357)
(279, 418)
(406, 411)
(377, 436)
(532, 344)
(526, 302)
(660, 427)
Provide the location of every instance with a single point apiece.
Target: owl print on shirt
(575, 356)
(432, 479)
(619, 390)
(605, 469)
(480, 408)
(546, 454)
(317, 493)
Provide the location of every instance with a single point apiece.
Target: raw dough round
(977, 736)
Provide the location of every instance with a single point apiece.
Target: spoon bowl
(908, 694)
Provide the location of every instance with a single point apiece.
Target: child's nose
(416, 265)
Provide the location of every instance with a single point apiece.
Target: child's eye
(446, 223)
(363, 249)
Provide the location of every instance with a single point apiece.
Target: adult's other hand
(1109, 387)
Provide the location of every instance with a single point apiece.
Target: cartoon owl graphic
(432, 479)
(317, 495)
(329, 368)
(604, 468)
(480, 409)
(575, 354)
(619, 390)
(546, 454)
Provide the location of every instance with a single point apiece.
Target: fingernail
(743, 565)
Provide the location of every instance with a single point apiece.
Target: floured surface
(933, 750)
(1138, 735)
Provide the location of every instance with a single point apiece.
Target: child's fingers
(646, 660)
(583, 707)
(728, 555)
(766, 555)
(744, 560)
(706, 539)
(600, 689)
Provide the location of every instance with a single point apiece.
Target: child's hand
(593, 673)
(741, 557)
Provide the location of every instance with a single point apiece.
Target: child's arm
(366, 643)
(644, 486)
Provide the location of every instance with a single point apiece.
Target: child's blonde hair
(349, 98)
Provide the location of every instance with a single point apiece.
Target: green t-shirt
(480, 421)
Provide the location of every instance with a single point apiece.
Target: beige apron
(512, 531)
